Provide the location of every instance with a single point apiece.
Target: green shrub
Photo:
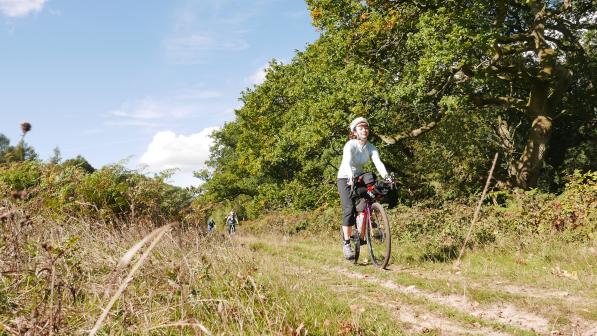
(109, 194)
(19, 176)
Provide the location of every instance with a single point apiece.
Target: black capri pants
(348, 218)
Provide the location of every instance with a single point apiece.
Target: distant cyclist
(231, 222)
(357, 152)
(210, 224)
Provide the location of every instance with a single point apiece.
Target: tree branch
(514, 38)
(392, 139)
(483, 101)
(500, 14)
(563, 78)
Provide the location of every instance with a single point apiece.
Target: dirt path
(421, 310)
(505, 313)
(586, 300)
(414, 318)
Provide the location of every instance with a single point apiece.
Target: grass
(57, 277)
(307, 252)
(189, 283)
(478, 279)
(556, 265)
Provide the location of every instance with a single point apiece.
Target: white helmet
(357, 121)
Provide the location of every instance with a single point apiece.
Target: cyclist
(231, 221)
(210, 224)
(357, 152)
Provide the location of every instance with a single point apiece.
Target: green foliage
(79, 161)
(22, 151)
(576, 208)
(21, 176)
(105, 191)
(4, 144)
(405, 65)
(56, 156)
(225, 285)
(110, 194)
(507, 220)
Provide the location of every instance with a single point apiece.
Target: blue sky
(145, 81)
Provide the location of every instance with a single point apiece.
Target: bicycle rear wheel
(379, 238)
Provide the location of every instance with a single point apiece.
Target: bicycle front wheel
(379, 238)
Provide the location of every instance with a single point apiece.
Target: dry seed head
(25, 127)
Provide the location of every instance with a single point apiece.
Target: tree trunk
(531, 161)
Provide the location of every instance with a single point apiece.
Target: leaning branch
(476, 214)
(392, 139)
(484, 101)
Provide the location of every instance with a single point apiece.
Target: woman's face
(362, 131)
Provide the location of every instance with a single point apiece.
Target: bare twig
(52, 283)
(476, 215)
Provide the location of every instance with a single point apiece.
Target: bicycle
(231, 228)
(374, 220)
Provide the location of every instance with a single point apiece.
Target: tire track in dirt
(578, 325)
(503, 313)
(416, 320)
(419, 321)
(581, 299)
(507, 314)
(506, 287)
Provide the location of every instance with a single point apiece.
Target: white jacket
(355, 156)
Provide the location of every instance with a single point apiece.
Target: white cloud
(151, 109)
(258, 76)
(198, 94)
(184, 179)
(170, 109)
(16, 8)
(168, 150)
(192, 49)
(132, 123)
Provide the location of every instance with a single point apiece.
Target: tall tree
(444, 84)
(527, 63)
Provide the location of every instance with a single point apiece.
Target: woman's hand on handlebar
(390, 179)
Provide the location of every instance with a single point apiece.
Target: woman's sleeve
(347, 159)
(381, 169)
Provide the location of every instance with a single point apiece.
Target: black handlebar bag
(366, 179)
(360, 188)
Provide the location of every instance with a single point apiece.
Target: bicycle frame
(376, 231)
(366, 213)
(369, 200)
